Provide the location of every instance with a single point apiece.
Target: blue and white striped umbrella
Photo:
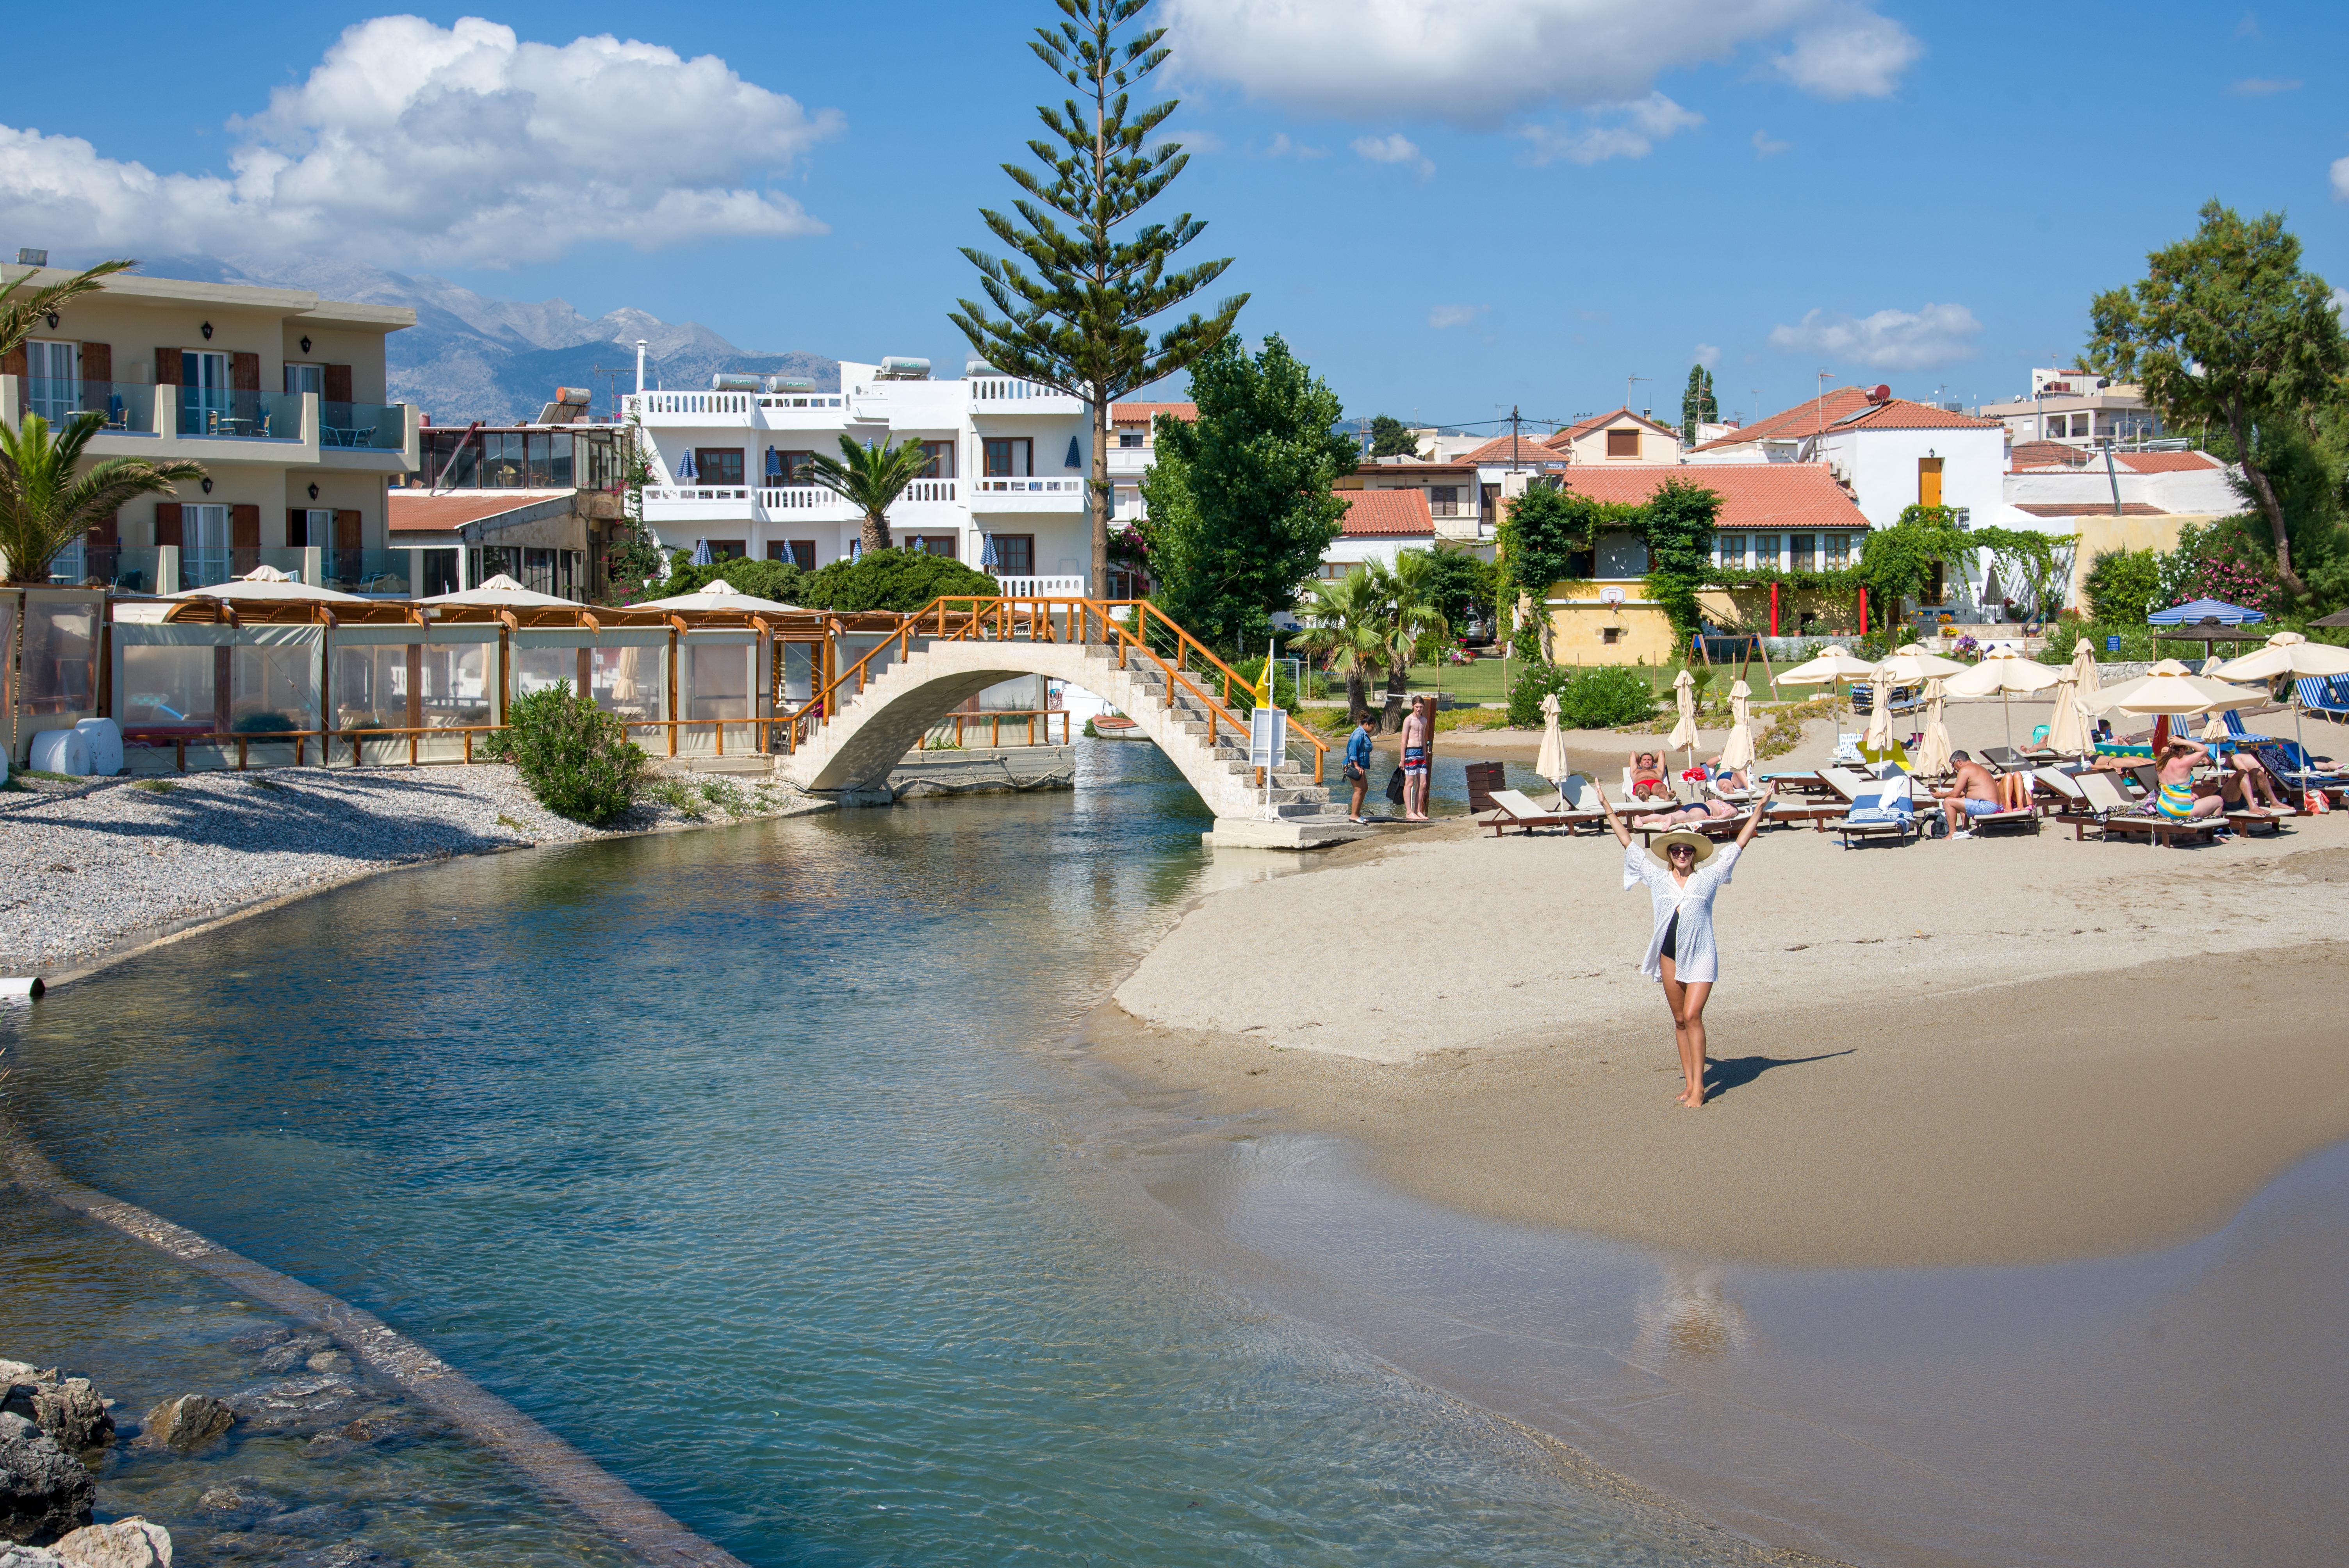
(684, 469)
(701, 556)
(987, 553)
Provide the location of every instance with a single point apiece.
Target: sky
(1448, 208)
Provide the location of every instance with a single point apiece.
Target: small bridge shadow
(1723, 1074)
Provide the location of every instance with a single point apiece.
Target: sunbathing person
(2176, 801)
(1972, 792)
(2244, 785)
(1703, 811)
(1647, 778)
(1727, 777)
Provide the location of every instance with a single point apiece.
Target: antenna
(611, 375)
(1513, 422)
(1628, 381)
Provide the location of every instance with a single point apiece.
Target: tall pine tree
(1697, 405)
(1075, 316)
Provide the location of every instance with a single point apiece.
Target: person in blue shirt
(1358, 764)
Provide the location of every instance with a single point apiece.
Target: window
(301, 378)
(1015, 554)
(1444, 501)
(941, 464)
(204, 402)
(1730, 550)
(1132, 438)
(1836, 549)
(1765, 552)
(204, 557)
(799, 468)
(800, 552)
(310, 525)
(1009, 457)
(1611, 635)
(719, 466)
(726, 549)
(1799, 552)
(945, 544)
(1929, 481)
(1621, 556)
(53, 379)
(1623, 444)
(1581, 564)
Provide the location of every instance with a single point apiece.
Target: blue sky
(1446, 209)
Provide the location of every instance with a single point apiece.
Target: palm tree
(872, 479)
(44, 507)
(1411, 628)
(1344, 620)
(19, 311)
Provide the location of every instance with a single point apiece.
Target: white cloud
(1640, 125)
(1450, 315)
(1853, 53)
(1763, 147)
(1709, 356)
(461, 146)
(1394, 149)
(2340, 301)
(2263, 87)
(1190, 141)
(1478, 64)
(2341, 179)
(1281, 147)
(1888, 340)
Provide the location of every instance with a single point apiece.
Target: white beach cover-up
(1693, 957)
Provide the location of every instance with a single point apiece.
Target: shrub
(576, 758)
(1598, 696)
(264, 722)
(891, 579)
(2121, 584)
(780, 581)
(1284, 688)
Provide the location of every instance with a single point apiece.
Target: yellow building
(280, 394)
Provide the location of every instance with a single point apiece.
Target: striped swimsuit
(2176, 801)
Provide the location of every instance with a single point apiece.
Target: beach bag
(2316, 803)
(1394, 787)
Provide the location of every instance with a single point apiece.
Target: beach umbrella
(1683, 734)
(774, 465)
(501, 593)
(1737, 752)
(267, 583)
(2171, 689)
(685, 472)
(2288, 654)
(1910, 664)
(1833, 665)
(987, 557)
(701, 556)
(2068, 732)
(1933, 755)
(1551, 763)
(1878, 738)
(718, 594)
(2003, 672)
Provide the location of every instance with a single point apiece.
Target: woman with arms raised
(1683, 871)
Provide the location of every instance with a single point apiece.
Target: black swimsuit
(1671, 946)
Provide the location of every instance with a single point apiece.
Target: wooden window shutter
(13, 362)
(167, 367)
(244, 527)
(1623, 444)
(336, 383)
(297, 527)
(346, 529)
(107, 533)
(244, 373)
(98, 362)
(167, 523)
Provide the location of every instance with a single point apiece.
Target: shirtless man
(1418, 757)
(1971, 793)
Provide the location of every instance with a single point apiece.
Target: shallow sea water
(744, 1160)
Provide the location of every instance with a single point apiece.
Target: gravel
(89, 865)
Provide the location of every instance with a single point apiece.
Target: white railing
(1027, 487)
(798, 498)
(689, 402)
(798, 400)
(1040, 587)
(1008, 389)
(928, 489)
(696, 492)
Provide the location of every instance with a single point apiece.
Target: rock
(237, 1504)
(131, 1542)
(14, 1557)
(328, 1361)
(342, 1554)
(283, 1357)
(67, 1409)
(25, 1372)
(187, 1422)
(43, 1490)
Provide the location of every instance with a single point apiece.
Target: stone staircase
(1225, 758)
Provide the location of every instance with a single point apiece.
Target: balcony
(363, 426)
(380, 573)
(1130, 462)
(210, 413)
(755, 410)
(812, 504)
(1026, 494)
(1007, 395)
(203, 568)
(700, 503)
(129, 407)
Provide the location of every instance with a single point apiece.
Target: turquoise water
(748, 1162)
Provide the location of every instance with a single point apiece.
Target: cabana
(2204, 621)
(57, 683)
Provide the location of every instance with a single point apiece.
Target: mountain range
(475, 357)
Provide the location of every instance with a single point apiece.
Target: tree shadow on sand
(1722, 1074)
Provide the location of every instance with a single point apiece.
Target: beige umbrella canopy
(2001, 674)
(1933, 755)
(267, 583)
(1683, 734)
(718, 594)
(2068, 731)
(1911, 664)
(1551, 763)
(2171, 689)
(501, 593)
(1737, 752)
(1834, 664)
(2086, 679)
(2288, 654)
(1878, 738)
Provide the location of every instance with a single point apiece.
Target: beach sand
(2004, 1050)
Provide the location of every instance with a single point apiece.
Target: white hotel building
(1008, 462)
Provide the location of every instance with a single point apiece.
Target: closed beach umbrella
(1551, 763)
(1834, 664)
(774, 465)
(2288, 654)
(1878, 738)
(1933, 755)
(2003, 673)
(701, 556)
(1737, 752)
(2068, 732)
(1683, 734)
(686, 472)
(987, 558)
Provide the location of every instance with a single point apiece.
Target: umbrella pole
(2006, 711)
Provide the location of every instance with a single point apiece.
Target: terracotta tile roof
(2090, 509)
(1901, 414)
(1147, 413)
(1386, 511)
(1753, 495)
(1531, 451)
(1582, 428)
(1802, 419)
(2166, 462)
(2045, 455)
(419, 510)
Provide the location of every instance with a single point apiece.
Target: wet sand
(1999, 1051)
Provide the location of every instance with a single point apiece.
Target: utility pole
(1824, 376)
(1513, 422)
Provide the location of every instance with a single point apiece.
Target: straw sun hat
(1660, 850)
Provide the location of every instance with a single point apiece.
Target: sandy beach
(2014, 1049)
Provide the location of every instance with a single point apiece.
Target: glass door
(53, 379)
(205, 404)
(301, 378)
(204, 557)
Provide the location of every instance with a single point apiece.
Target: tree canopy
(1240, 501)
(1698, 405)
(1389, 437)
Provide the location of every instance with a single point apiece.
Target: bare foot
(1693, 1098)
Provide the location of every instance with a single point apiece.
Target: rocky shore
(105, 864)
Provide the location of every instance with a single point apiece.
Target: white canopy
(1833, 664)
(2286, 653)
(501, 592)
(718, 594)
(2171, 689)
(267, 583)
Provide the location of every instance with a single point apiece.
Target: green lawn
(1481, 682)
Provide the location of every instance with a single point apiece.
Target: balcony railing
(366, 427)
(797, 498)
(208, 568)
(798, 400)
(214, 414)
(377, 571)
(930, 490)
(129, 407)
(697, 493)
(650, 403)
(1010, 390)
(127, 567)
(1012, 494)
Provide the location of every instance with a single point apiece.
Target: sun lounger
(1801, 783)
(1885, 809)
(2322, 696)
(2005, 758)
(2110, 811)
(1511, 808)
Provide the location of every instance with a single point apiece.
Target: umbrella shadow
(1722, 1074)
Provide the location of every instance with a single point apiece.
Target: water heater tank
(904, 367)
(733, 381)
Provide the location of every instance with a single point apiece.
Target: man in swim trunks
(1647, 778)
(1973, 792)
(1418, 757)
